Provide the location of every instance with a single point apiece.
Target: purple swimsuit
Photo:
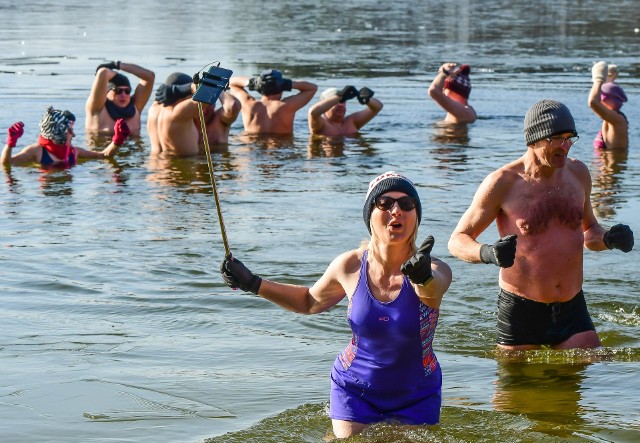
(389, 370)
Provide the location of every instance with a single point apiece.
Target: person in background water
(272, 114)
(328, 116)
(111, 97)
(54, 148)
(389, 370)
(541, 202)
(606, 99)
(174, 119)
(451, 89)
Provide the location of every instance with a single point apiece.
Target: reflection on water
(56, 182)
(607, 170)
(338, 146)
(548, 393)
(450, 133)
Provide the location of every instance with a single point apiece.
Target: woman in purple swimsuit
(388, 371)
(605, 99)
(54, 148)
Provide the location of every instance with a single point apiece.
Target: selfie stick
(210, 86)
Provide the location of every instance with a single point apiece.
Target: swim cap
(388, 182)
(118, 80)
(461, 83)
(55, 124)
(178, 78)
(546, 118)
(613, 92)
(328, 93)
(270, 82)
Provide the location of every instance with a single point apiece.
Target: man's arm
(363, 117)
(230, 108)
(593, 231)
(145, 87)
(237, 85)
(483, 210)
(299, 100)
(316, 122)
(98, 95)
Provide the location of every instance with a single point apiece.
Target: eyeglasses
(119, 91)
(560, 141)
(385, 203)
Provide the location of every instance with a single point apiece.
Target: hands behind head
(236, 275)
(502, 253)
(347, 93)
(619, 237)
(121, 132)
(168, 95)
(364, 95)
(14, 132)
(447, 68)
(110, 65)
(418, 267)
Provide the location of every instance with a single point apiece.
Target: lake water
(115, 325)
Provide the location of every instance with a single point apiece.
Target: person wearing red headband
(54, 148)
(451, 89)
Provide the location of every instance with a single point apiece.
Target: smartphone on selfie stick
(211, 84)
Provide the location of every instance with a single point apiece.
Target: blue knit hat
(388, 182)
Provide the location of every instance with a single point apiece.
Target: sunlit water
(115, 324)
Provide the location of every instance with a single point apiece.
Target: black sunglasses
(119, 91)
(386, 203)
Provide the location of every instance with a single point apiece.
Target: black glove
(619, 237)
(111, 65)
(502, 253)
(253, 84)
(287, 84)
(347, 93)
(418, 267)
(168, 95)
(364, 95)
(236, 275)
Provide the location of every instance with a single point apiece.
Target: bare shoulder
(348, 262)
(504, 176)
(579, 169)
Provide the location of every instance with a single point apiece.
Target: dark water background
(114, 322)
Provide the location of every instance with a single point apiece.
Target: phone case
(212, 84)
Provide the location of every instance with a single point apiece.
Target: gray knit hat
(387, 182)
(547, 118)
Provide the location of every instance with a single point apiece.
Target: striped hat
(55, 124)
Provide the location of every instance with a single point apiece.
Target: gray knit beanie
(547, 118)
(388, 182)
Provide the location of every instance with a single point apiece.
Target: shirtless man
(606, 99)
(451, 89)
(54, 148)
(327, 117)
(543, 200)
(111, 98)
(174, 125)
(272, 114)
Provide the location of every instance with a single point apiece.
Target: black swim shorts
(526, 322)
